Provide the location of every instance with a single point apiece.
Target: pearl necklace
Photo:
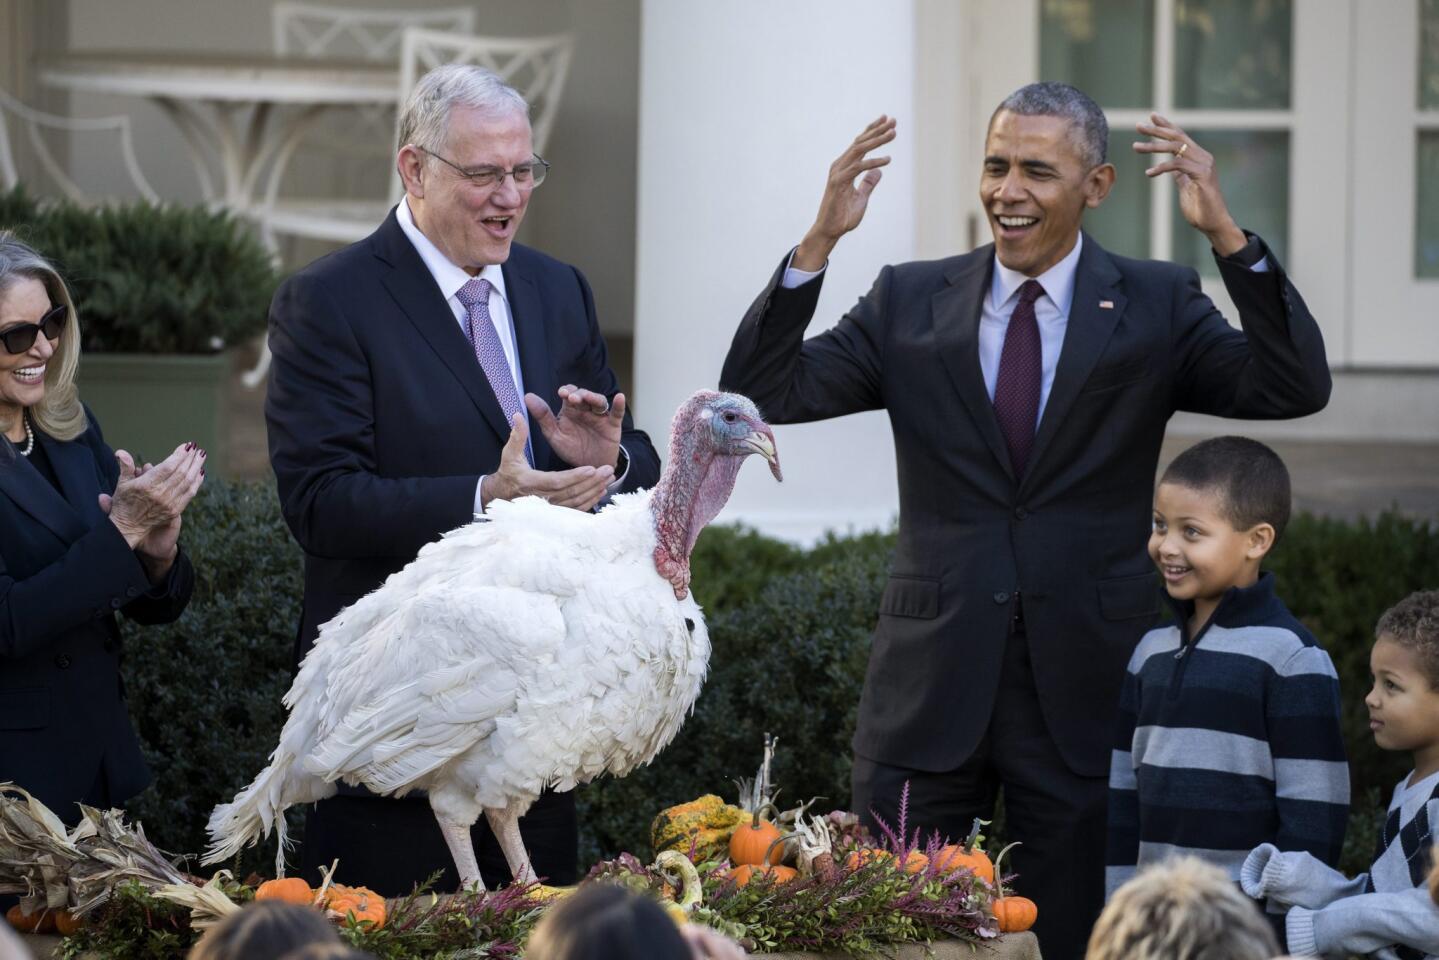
(29, 435)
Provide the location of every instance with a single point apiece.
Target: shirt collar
(449, 277)
(1058, 280)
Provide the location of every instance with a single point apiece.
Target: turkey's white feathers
(538, 649)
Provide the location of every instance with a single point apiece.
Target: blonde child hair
(1181, 909)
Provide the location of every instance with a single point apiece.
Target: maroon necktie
(1016, 389)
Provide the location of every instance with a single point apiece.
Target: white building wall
(743, 106)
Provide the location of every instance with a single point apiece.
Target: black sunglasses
(21, 337)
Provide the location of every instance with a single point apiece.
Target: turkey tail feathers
(257, 810)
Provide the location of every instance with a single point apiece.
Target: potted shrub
(162, 292)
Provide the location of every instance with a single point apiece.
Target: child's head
(1217, 510)
(1404, 701)
(265, 928)
(1181, 909)
(606, 922)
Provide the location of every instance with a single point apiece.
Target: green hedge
(151, 279)
(790, 629)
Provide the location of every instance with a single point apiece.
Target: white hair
(425, 121)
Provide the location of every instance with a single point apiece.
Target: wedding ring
(605, 412)
(1180, 152)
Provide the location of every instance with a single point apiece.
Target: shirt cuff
(797, 278)
(479, 505)
(1251, 255)
(619, 479)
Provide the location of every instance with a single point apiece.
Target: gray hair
(1051, 99)
(425, 121)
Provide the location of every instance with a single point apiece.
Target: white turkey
(537, 650)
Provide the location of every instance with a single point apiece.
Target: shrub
(151, 279)
(790, 629)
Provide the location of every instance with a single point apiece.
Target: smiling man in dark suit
(409, 369)
(1028, 385)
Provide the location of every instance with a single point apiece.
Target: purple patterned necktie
(1016, 389)
(474, 296)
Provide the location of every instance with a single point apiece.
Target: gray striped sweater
(1386, 911)
(1227, 740)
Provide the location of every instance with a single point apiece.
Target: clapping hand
(581, 487)
(844, 202)
(587, 430)
(149, 500)
(1200, 199)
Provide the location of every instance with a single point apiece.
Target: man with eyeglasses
(412, 384)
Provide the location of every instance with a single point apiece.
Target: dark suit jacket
(64, 572)
(1070, 535)
(380, 418)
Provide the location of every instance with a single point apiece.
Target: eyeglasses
(527, 176)
(21, 337)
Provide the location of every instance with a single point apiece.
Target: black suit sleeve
(644, 470)
(794, 380)
(320, 413)
(1274, 368)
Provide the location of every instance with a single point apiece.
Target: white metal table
(236, 113)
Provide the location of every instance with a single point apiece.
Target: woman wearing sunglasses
(84, 534)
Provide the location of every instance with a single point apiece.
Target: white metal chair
(36, 121)
(318, 31)
(536, 66)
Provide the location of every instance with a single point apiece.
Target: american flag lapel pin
(1106, 304)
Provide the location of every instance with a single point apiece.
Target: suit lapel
(409, 281)
(528, 316)
(957, 310)
(1085, 336)
(22, 483)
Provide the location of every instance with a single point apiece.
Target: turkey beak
(761, 441)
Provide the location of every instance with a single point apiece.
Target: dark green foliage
(148, 279)
(790, 630)
(205, 691)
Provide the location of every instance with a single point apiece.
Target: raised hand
(844, 202)
(587, 430)
(580, 488)
(148, 501)
(1200, 198)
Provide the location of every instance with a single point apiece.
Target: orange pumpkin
(286, 890)
(67, 924)
(966, 856)
(755, 842)
(25, 922)
(916, 862)
(746, 872)
(864, 855)
(1015, 914)
(360, 903)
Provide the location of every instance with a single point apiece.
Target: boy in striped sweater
(1388, 910)
(1229, 730)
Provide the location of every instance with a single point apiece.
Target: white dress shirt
(1050, 310)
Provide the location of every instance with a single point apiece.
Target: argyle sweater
(1227, 740)
(1386, 911)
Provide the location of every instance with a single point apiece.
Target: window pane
(1121, 224)
(1426, 241)
(1254, 173)
(1232, 54)
(1429, 54)
(1103, 47)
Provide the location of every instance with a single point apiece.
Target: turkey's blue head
(710, 437)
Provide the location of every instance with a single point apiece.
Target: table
(244, 114)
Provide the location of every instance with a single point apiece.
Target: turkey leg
(505, 824)
(457, 838)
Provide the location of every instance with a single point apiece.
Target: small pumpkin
(1015, 914)
(968, 856)
(28, 922)
(768, 865)
(67, 924)
(286, 890)
(858, 858)
(916, 862)
(360, 903)
(703, 825)
(755, 842)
